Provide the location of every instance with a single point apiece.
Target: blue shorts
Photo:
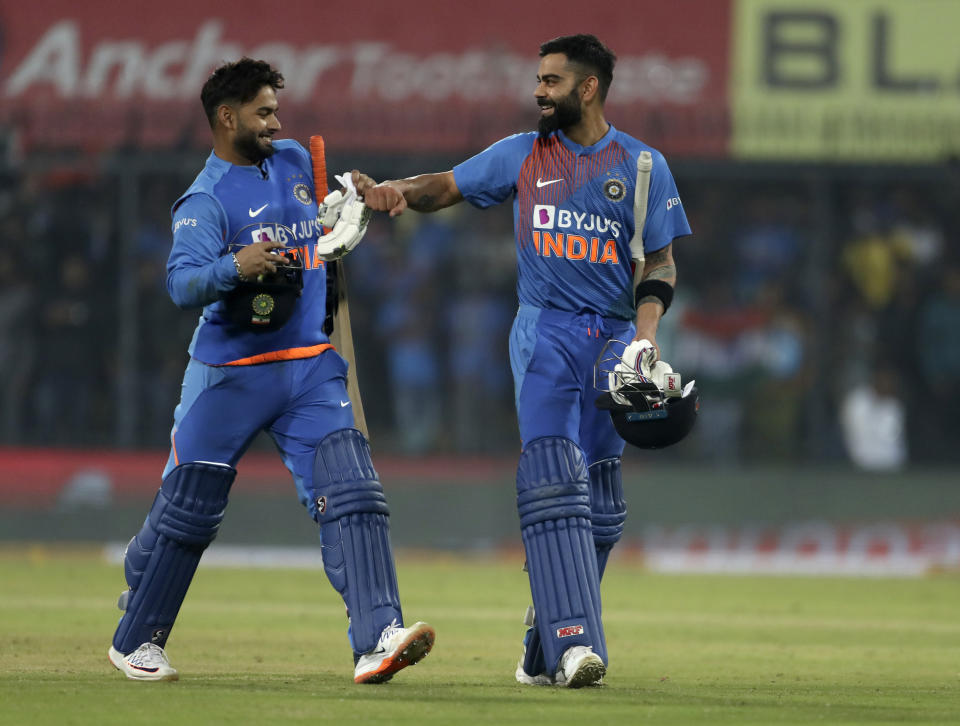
(297, 402)
(553, 355)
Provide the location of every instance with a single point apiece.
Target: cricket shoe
(397, 648)
(579, 667)
(541, 679)
(146, 663)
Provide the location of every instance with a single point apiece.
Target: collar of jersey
(224, 166)
(584, 150)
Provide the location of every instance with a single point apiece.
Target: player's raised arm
(423, 193)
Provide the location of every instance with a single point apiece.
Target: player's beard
(250, 146)
(566, 113)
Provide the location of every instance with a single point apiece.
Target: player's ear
(227, 116)
(589, 88)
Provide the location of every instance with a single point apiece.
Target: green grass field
(268, 647)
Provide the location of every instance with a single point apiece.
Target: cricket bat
(642, 190)
(342, 337)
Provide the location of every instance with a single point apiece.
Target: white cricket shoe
(146, 663)
(580, 666)
(397, 648)
(541, 679)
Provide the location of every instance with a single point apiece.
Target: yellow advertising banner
(845, 80)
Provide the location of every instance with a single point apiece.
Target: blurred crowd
(819, 316)
(818, 319)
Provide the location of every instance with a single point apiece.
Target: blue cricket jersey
(573, 215)
(227, 206)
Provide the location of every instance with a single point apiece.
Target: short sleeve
(490, 177)
(666, 219)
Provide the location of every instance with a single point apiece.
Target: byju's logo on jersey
(543, 216)
(547, 216)
(269, 233)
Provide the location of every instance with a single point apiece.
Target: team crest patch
(614, 190)
(262, 304)
(301, 192)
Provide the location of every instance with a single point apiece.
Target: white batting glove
(347, 218)
(638, 359)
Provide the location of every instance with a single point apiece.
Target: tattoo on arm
(430, 192)
(665, 273)
(425, 203)
(660, 266)
(660, 257)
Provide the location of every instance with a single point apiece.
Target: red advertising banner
(432, 77)
(41, 478)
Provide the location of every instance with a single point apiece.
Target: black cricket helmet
(643, 414)
(266, 303)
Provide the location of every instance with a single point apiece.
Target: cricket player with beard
(260, 361)
(573, 189)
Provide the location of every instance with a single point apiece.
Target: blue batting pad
(161, 559)
(608, 510)
(553, 500)
(355, 532)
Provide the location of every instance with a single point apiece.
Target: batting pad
(553, 500)
(161, 559)
(355, 533)
(608, 510)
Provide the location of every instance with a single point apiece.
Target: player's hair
(586, 51)
(238, 82)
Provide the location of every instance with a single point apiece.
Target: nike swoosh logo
(344, 404)
(546, 183)
(254, 213)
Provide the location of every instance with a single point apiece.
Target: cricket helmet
(644, 414)
(267, 302)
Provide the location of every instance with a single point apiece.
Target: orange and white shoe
(146, 663)
(397, 648)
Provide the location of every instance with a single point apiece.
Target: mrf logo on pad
(568, 630)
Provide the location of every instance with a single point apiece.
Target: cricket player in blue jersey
(573, 188)
(249, 218)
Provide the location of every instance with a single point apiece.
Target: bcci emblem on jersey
(614, 190)
(301, 192)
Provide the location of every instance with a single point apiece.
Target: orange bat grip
(319, 158)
